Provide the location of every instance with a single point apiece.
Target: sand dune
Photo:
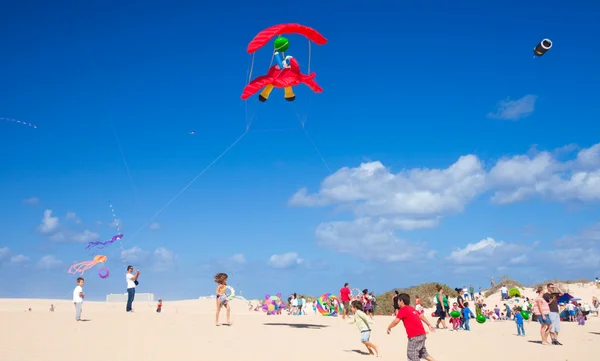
(186, 331)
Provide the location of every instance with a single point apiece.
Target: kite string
(117, 223)
(125, 162)
(312, 141)
(189, 184)
(309, 47)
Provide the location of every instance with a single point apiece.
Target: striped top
(544, 310)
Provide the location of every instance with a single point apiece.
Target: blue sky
(456, 156)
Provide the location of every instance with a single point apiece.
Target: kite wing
(266, 35)
(255, 85)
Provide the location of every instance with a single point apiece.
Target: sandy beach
(185, 330)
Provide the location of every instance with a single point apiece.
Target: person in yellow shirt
(361, 320)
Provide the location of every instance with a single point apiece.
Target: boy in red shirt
(415, 331)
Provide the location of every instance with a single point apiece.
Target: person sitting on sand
(361, 321)
(221, 280)
(51, 308)
(159, 306)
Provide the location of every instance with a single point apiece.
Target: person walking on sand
(132, 282)
(362, 322)
(413, 323)
(552, 298)
(345, 298)
(221, 280)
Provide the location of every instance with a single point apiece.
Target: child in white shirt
(78, 298)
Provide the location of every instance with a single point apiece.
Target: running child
(221, 280)
(415, 331)
(362, 322)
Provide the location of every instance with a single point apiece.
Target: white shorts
(555, 319)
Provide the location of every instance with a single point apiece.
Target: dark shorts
(416, 349)
(440, 312)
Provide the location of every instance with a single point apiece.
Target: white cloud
(19, 259)
(4, 253)
(31, 201)
(384, 203)
(522, 177)
(85, 236)
(238, 258)
(161, 259)
(72, 216)
(372, 239)
(135, 255)
(514, 109)
(49, 262)
(117, 223)
(488, 254)
(372, 190)
(164, 259)
(49, 223)
(285, 260)
(154, 226)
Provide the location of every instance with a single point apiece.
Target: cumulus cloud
(49, 223)
(384, 203)
(514, 109)
(580, 251)
(85, 236)
(72, 216)
(49, 262)
(31, 201)
(164, 259)
(238, 258)
(522, 177)
(285, 260)
(19, 259)
(6, 257)
(117, 223)
(371, 239)
(154, 226)
(373, 190)
(161, 259)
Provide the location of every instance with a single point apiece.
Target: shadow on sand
(595, 333)
(296, 325)
(360, 352)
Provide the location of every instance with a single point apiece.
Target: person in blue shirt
(519, 322)
(468, 315)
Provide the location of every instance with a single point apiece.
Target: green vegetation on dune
(506, 282)
(425, 292)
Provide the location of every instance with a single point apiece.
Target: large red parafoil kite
(286, 73)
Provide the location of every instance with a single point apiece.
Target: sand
(185, 330)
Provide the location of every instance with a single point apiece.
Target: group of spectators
(367, 299)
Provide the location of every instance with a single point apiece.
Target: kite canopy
(262, 38)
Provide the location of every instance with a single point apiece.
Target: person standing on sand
(441, 306)
(345, 298)
(131, 283)
(492, 282)
(472, 292)
(542, 312)
(552, 298)
(77, 298)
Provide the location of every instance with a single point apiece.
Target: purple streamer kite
(100, 244)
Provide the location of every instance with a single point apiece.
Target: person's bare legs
(371, 347)
(544, 332)
(228, 313)
(218, 311)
